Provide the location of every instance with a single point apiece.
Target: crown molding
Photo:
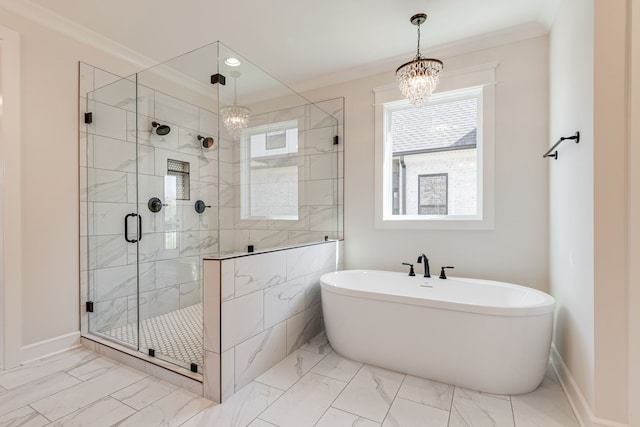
(45, 17)
(448, 50)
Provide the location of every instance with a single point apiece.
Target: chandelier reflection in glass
(418, 78)
(235, 117)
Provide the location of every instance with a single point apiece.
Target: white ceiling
(298, 41)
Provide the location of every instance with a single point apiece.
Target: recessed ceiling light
(232, 62)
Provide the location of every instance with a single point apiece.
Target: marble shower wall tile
(107, 217)
(154, 303)
(176, 111)
(242, 318)
(106, 186)
(211, 304)
(303, 326)
(227, 373)
(109, 314)
(254, 273)
(320, 193)
(212, 378)
(122, 94)
(317, 141)
(303, 260)
(107, 251)
(177, 271)
(256, 355)
(140, 129)
(190, 294)
(108, 120)
(283, 301)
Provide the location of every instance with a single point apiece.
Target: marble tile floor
(314, 386)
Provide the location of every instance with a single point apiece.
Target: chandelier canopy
(419, 77)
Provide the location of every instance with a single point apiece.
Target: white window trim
(483, 76)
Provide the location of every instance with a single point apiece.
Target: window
(434, 165)
(425, 145)
(269, 172)
(433, 194)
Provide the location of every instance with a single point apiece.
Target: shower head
(207, 141)
(161, 129)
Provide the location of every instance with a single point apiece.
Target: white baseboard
(577, 400)
(51, 346)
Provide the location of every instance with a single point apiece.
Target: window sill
(452, 223)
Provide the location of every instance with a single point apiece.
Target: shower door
(114, 226)
(142, 228)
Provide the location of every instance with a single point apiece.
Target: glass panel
(182, 169)
(110, 203)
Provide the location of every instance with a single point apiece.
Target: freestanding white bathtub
(488, 336)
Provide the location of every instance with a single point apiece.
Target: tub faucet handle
(442, 275)
(424, 258)
(411, 272)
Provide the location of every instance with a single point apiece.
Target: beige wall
(592, 210)
(571, 189)
(634, 218)
(516, 250)
(49, 178)
(610, 210)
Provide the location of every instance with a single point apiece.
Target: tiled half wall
(258, 309)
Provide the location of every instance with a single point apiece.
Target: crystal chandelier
(235, 117)
(418, 78)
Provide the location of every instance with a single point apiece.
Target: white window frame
(482, 77)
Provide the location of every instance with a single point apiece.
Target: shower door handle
(126, 228)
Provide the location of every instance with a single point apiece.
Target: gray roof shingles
(434, 127)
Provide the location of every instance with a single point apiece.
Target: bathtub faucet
(411, 272)
(442, 275)
(424, 258)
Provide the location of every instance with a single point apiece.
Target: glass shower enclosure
(204, 155)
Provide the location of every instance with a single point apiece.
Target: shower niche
(192, 159)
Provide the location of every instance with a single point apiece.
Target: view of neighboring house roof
(435, 127)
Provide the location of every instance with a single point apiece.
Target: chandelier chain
(418, 51)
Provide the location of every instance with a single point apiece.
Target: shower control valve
(200, 206)
(155, 205)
